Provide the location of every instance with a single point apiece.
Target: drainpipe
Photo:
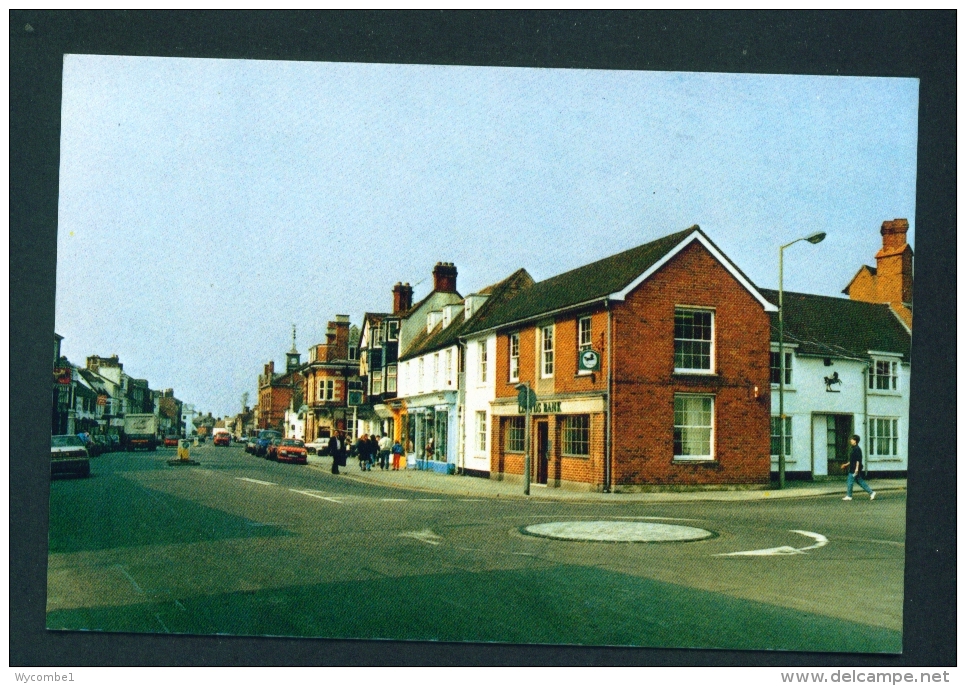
(609, 447)
(866, 371)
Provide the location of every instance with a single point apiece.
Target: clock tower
(292, 358)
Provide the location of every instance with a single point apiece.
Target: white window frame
(891, 378)
(686, 457)
(484, 361)
(481, 433)
(789, 366)
(546, 335)
(514, 343)
(421, 377)
(392, 330)
(449, 366)
(584, 334)
(436, 383)
(876, 434)
(326, 390)
(683, 309)
(775, 437)
(390, 378)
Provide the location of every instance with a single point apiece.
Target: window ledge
(695, 372)
(694, 460)
(788, 389)
(889, 393)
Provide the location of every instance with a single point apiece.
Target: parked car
(271, 450)
(222, 439)
(171, 441)
(265, 437)
(69, 457)
(319, 446)
(291, 450)
(250, 443)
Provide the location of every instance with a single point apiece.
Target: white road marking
(256, 481)
(469, 500)
(130, 578)
(163, 626)
(820, 541)
(426, 536)
(668, 519)
(429, 500)
(394, 500)
(316, 495)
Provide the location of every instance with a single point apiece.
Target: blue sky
(208, 205)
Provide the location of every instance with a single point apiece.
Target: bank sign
(542, 407)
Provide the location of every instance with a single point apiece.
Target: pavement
(480, 487)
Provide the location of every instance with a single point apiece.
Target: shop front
(429, 430)
(566, 441)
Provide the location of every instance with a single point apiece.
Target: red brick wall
(645, 383)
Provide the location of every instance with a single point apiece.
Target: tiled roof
(837, 327)
(584, 284)
(440, 337)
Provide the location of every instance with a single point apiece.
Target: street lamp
(817, 237)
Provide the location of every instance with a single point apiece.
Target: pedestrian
(338, 451)
(854, 465)
(361, 449)
(373, 450)
(397, 451)
(385, 445)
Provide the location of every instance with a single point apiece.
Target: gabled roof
(612, 278)
(837, 327)
(440, 337)
(864, 267)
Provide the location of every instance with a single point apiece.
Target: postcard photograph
(482, 354)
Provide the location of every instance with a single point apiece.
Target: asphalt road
(242, 546)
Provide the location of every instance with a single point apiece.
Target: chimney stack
(444, 277)
(894, 264)
(402, 298)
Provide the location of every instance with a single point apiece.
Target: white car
(317, 446)
(69, 456)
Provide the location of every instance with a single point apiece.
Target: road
(242, 546)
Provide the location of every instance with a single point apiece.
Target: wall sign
(588, 360)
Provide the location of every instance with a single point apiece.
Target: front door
(838, 431)
(543, 452)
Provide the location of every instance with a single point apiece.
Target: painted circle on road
(620, 532)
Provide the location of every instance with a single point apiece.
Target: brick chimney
(402, 298)
(341, 325)
(444, 277)
(894, 263)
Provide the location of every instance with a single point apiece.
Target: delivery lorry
(141, 431)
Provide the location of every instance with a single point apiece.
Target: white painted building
(847, 372)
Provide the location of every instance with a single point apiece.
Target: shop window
(515, 435)
(576, 435)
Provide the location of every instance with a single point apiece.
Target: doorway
(838, 430)
(543, 452)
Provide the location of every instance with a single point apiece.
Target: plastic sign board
(588, 360)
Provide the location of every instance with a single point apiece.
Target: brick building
(331, 371)
(277, 391)
(649, 367)
(890, 281)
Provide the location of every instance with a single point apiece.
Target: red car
(222, 439)
(170, 441)
(290, 450)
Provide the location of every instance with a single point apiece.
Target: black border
(918, 44)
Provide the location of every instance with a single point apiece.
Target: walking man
(337, 451)
(385, 445)
(854, 466)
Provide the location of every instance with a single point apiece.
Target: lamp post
(817, 237)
